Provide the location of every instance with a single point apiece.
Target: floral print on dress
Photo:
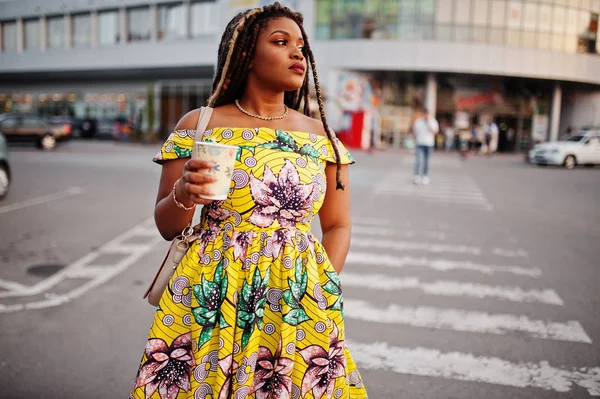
(272, 376)
(282, 198)
(263, 311)
(167, 368)
(210, 296)
(324, 366)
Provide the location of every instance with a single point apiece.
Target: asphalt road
(482, 284)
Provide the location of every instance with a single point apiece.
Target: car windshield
(577, 138)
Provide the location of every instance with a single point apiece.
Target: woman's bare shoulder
(309, 124)
(190, 120)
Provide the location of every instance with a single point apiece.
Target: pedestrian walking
(425, 128)
(449, 137)
(254, 309)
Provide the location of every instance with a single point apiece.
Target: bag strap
(203, 119)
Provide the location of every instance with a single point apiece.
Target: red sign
(475, 100)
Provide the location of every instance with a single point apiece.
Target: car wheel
(4, 181)
(570, 162)
(47, 142)
(589, 165)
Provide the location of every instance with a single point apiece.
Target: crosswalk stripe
(468, 367)
(366, 258)
(412, 245)
(450, 288)
(390, 232)
(462, 320)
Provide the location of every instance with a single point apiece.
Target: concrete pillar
(187, 19)
(431, 94)
(153, 22)
(555, 112)
(94, 28)
(20, 35)
(43, 34)
(123, 25)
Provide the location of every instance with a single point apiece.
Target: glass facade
(108, 28)
(138, 24)
(9, 36)
(557, 25)
(171, 21)
(55, 32)
(81, 30)
(203, 19)
(31, 34)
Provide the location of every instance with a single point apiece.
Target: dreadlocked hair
(236, 52)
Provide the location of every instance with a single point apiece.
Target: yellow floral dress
(255, 308)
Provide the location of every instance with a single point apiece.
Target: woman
(254, 310)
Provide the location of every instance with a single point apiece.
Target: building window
(479, 35)
(108, 28)
(462, 34)
(31, 34)
(204, 18)
(427, 11)
(530, 17)
(171, 21)
(515, 15)
(497, 36)
(529, 39)
(409, 9)
(443, 11)
(513, 38)
(81, 33)
(558, 43)
(545, 18)
(480, 13)
(498, 13)
(138, 24)
(55, 32)
(544, 41)
(9, 36)
(462, 12)
(558, 20)
(443, 32)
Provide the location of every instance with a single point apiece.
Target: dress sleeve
(329, 153)
(179, 144)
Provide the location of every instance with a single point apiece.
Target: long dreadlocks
(236, 52)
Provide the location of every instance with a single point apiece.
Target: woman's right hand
(195, 179)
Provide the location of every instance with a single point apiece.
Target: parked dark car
(5, 175)
(27, 127)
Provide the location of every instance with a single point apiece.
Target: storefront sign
(473, 101)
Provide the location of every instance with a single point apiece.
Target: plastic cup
(222, 156)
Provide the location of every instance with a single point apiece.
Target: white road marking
(41, 200)
(519, 253)
(371, 221)
(12, 286)
(450, 288)
(413, 245)
(85, 268)
(445, 188)
(468, 367)
(390, 232)
(462, 320)
(366, 258)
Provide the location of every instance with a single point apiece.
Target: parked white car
(583, 148)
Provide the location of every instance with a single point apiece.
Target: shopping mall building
(532, 66)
